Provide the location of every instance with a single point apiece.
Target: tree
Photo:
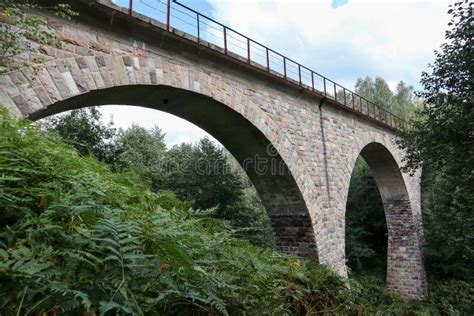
(401, 103)
(201, 173)
(441, 142)
(84, 130)
(248, 213)
(207, 175)
(382, 94)
(376, 91)
(141, 150)
(405, 101)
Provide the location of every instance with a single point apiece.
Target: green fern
(76, 237)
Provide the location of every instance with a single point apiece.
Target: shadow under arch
(366, 228)
(405, 270)
(263, 164)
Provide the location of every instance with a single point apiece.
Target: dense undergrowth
(76, 238)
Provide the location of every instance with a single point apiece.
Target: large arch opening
(262, 163)
(404, 268)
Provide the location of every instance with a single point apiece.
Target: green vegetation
(401, 103)
(85, 131)
(202, 173)
(77, 237)
(441, 142)
(366, 229)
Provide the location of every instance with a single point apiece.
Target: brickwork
(404, 257)
(294, 234)
(131, 60)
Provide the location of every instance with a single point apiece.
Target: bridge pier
(405, 271)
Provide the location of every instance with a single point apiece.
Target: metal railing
(208, 32)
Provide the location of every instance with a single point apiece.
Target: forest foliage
(204, 174)
(441, 142)
(77, 237)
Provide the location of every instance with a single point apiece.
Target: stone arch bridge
(111, 55)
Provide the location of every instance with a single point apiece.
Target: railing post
(268, 59)
(130, 7)
(353, 101)
(335, 93)
(198, 29)
(299, 74)
(248, 50)
(324, 83)
(225, 39)
(312, 80)
(168, 14)
(345, 97)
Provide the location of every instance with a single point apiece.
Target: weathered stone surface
(7, 102)
(298, 150)
(45, 77)
(73, 39)
(100, 47)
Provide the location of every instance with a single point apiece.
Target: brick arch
(64, 84)
(405, 270)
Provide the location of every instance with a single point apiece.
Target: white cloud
(394, 40)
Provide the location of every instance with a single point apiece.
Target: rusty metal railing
(215, 35)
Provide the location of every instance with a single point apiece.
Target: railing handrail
(389, 116)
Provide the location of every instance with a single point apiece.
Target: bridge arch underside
(405, 270)
(280, 194)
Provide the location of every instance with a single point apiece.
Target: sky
(341, 39)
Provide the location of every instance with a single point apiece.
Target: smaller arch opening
(366, 226)
(404, 267)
